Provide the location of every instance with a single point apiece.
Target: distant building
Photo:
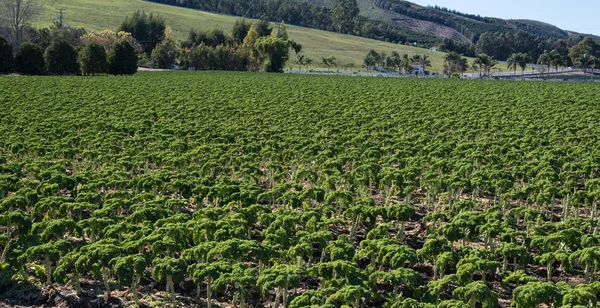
(435, 48)
(418, 68)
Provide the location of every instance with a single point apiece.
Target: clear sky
(575, 15)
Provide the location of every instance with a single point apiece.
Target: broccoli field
(223, 189)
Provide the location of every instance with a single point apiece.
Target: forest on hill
(404, 22)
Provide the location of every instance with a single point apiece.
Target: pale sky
(575, 15)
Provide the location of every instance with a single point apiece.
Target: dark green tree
(344, 14)
(92, 59)
(240, 30)
(262, 27)
(7, 60)
(61, 59)
(165, 54)
(147, 29)
(122, 59)
(30, 60)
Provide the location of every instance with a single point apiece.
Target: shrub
(165, 54)
(7, 61)
(92, 59)
(122, 59)
(61, 58)
(30, 60)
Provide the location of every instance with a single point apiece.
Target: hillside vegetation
(445, 23)
(369, 10)
(406, 22)
(108, 14)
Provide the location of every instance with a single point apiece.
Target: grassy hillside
(108, 14)
(372, 12)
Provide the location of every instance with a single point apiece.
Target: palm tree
(425, 62)
(489, 65)
(545, 59)
(307, 62)
(585, 61)
(406, 63)
(463, 65)
(395, 60)
(300, 62)
(383, 60)
(329, 61)
(369, 61)
(556, 59)
(349, 65)
(523, 60)
(451, 63)
(480, 62)
(513, 61)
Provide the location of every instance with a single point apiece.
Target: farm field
(264, 190)
(108, 14)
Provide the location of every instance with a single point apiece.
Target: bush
(92, 59)
(7, 61)
(165, 53)
(122, 59)
(61, 58)
(274, 52)
(30, 60)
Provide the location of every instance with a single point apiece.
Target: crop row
(300, 190)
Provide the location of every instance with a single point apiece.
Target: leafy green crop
(302, 190)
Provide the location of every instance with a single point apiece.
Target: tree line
(343, 17)
(146, 40)
(400, 63)
(62, 58)
(583, 54)
(249, 47)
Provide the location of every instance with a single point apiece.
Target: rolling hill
(108, 14)
(406, 22)
(445, 23)
(369, 10)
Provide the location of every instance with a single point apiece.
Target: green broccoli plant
(401, 212)
(590, 259)
(129, 271)
(49, 252)
(169, 269)
(517, 278)
(395, 278)
(476, 292)
(207, 272)
(241, 277)
(512, 250)
(584, 295)
(282, 278)
(433, 247)
(349, 294)
(535, 293)
(437, 287)
(549, 258)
